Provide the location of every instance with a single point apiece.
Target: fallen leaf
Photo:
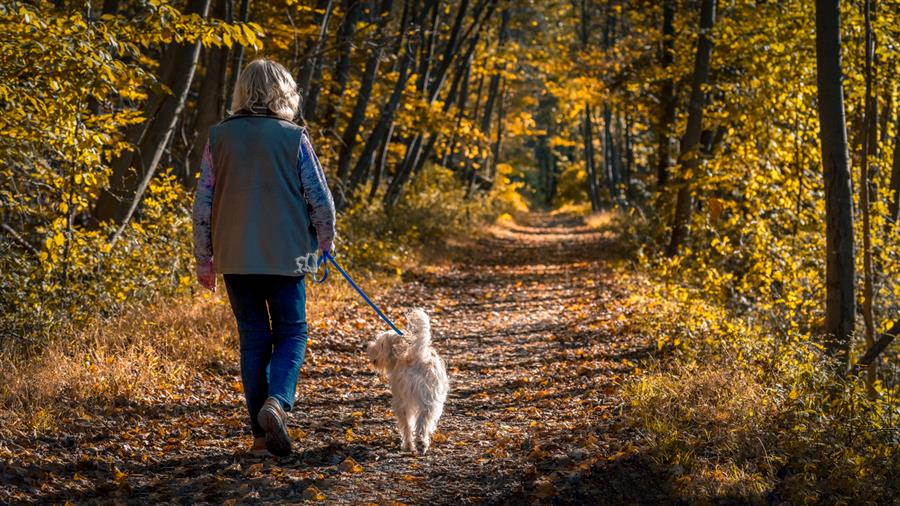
(313, 494)
(350, 466)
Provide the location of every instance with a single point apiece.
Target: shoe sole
(278, 441)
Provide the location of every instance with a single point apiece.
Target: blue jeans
(271, 354)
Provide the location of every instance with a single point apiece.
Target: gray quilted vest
(260, 219)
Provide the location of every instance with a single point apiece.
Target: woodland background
(697, 129)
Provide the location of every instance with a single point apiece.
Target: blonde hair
(265, 84)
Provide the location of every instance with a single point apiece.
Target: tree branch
(884, 340)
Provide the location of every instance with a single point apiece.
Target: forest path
(536, 347)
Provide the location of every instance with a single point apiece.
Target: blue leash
(327, 256)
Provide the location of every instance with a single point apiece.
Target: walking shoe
(259, 447)
(273, 420)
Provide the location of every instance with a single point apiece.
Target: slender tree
(386, 119)
(237, 60)
(590, 163)
(667, 95)
(869, 152)
(894, 204)
(211, 99)
(348, 139)
(311, 69)
(418, 149)
(346, 33)
(587, 127)
(689, 157)
(133, 170)
(840, 277)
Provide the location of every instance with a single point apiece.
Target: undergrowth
(745, 407)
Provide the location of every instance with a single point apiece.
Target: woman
(262, 215)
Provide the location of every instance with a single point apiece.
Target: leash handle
(327, 258)
(319, 263)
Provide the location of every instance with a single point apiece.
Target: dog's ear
(418, 321)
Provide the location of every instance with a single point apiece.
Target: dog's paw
(408, 446)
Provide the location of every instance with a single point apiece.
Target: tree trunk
(621, 147)
(840, 303)
(545, 155)
(348, 140)
(211, 100)
(426, 50)
(588, 135)
(689, 157)
(464, 71)
(870, 150)
(238, 59)
(386, 120)
(381, 162)
(345, 35)
(133, 170)
(493, 91)
(610, 172)
(460, 74)
(415, 157)
(667, 97)
(456, 40)
(381, 128)
(629, 158)
(498, 145)
(894, 205)
(468, 170)
(312, 65)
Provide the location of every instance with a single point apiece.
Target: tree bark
(870, 150)
(894, 205)
(348, 140)
(879, 346)
(238, 58)
(840, 278)
(588, 135)
(464, 71)
(386, 120)
(312, 64)
(415, 158)
(211, 100)
(381, 162)
(468, 170)
(629, 158)
(611, 175)
(498, 145)
(667, 96)
(689, 157)
(426, 50)
(345, 35)
(460, 79)
(133, 170)
(543, 151)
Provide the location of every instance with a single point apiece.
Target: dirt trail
(526, 322)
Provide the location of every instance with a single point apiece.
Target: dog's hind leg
(422, 429)
(407, 441)
(426, 423)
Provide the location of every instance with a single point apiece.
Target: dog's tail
(420, 327)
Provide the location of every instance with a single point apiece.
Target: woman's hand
(206, 275)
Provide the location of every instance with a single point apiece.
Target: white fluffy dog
(417, 376)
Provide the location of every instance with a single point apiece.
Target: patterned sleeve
(317, 193)
(202, 209)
